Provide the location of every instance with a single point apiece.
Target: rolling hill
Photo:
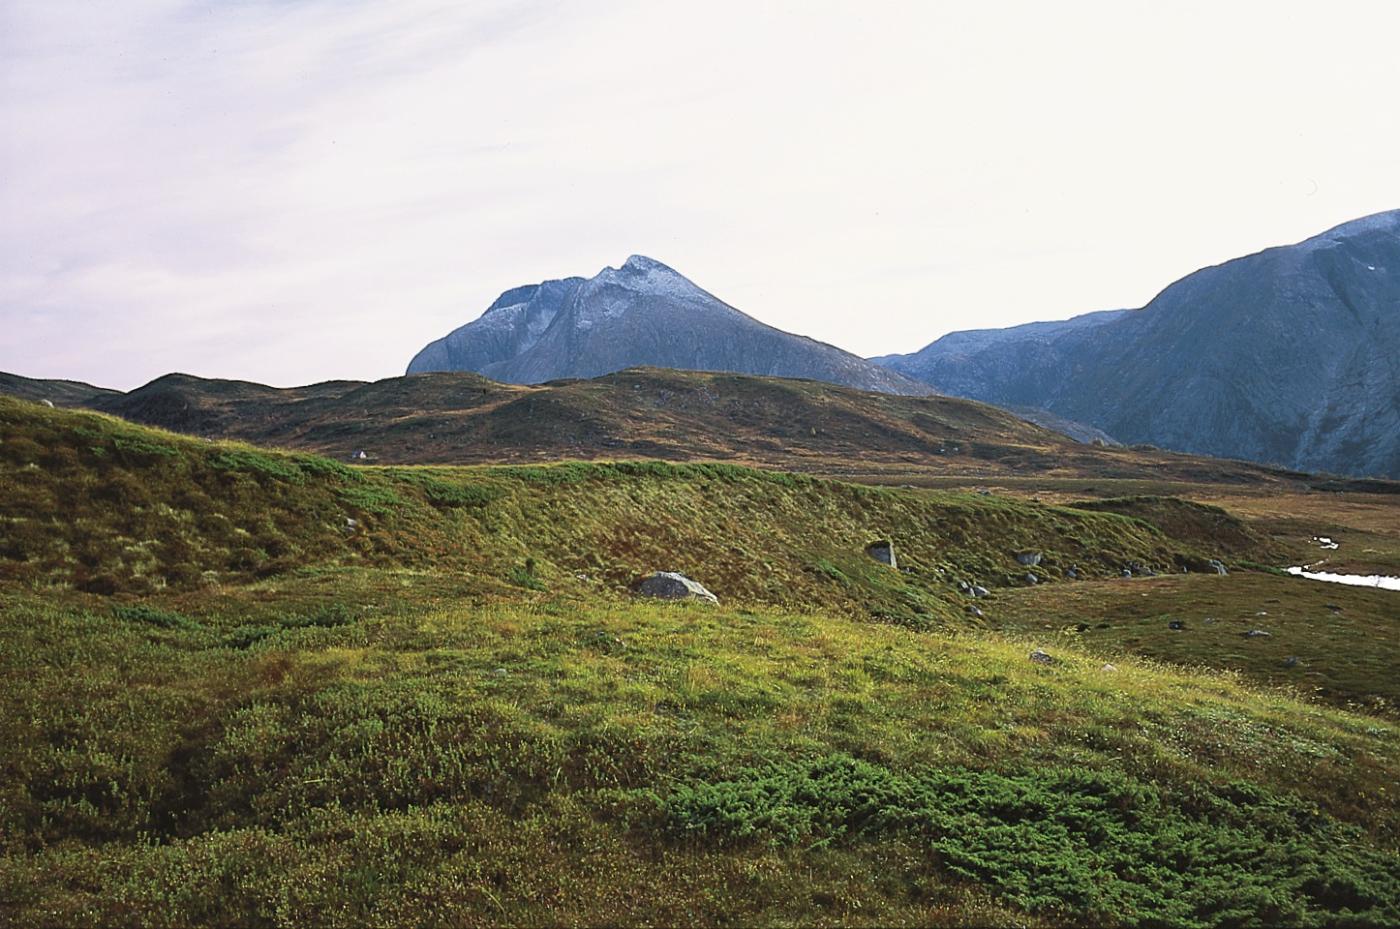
(462, 418)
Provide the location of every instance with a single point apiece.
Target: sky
(289, 191)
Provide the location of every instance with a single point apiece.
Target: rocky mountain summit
(1290, 356)
(643, 313)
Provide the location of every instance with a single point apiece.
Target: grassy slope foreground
(222, 704)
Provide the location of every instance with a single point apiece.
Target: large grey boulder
(883, 552)
(1029, 559)
(668, 585)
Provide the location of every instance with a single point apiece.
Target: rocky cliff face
(643, 313)
(1290, 356)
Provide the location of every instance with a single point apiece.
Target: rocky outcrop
(668, 585)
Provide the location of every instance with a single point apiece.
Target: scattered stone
(1290, 662)
(351, 523)
(1217, 566)
(1031, 578)
(1209, 620)
(668, 585)
(48, 403)
(1073, 572)
(882, 551)
(1176, 624)
(1262, 613)
(979, 591)
(1127, 572)
(1334, 608)
(500, 672)
(1109, 668)
(1256, 633)
(974, 611)
(1029, 559)
(1041, 657)
(360, 455)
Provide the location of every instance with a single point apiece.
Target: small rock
(882, 551)
(1081, 627)
(48, 403)
(1127, 572)
(1209, 620)
(351, 523)
(979, 591)
(1029, 559)
(1290, 662)
(1256, 633)
(1031, 578)
(1041, 657)
(974, 611)
(1176, 624)
(1109, 668)
(1334, 608)
(1262, 613)
(360, 455)
(668, 585)
(500, 672)
(1073, 572)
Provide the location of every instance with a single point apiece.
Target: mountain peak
(643, 263)
(644, 313)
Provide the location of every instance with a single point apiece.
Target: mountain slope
(643, 313)
(57, 392)
(1290, 356)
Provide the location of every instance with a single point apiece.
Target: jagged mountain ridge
(642, 314)
(1290, 356)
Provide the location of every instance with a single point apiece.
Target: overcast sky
(295, 190)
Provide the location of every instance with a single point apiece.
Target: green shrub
(1091, 842)
(154, 616)
(258, 463)
(380, 501)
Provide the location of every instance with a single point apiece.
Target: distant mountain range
(643, 313)
(1290, 356)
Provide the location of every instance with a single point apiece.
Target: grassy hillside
(796, 425)
(243, 687)
(108, 507)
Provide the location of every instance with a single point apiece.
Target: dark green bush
(1095, 843)
(154, 616)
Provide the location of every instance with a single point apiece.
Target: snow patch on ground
(1380, 581)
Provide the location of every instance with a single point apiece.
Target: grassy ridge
(108, 507)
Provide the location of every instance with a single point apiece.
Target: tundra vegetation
(249, 687)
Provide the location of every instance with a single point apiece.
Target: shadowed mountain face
(1290, 357)
(643, 313)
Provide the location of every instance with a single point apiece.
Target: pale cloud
(305, 189)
